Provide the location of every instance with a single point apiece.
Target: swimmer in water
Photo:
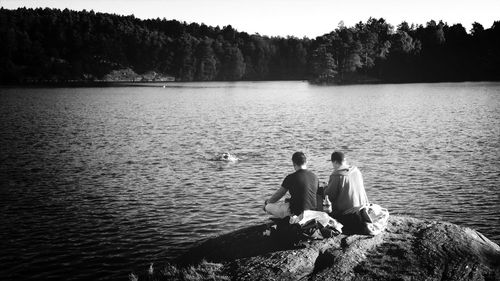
(228, 157)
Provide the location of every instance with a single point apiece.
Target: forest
(50, 45)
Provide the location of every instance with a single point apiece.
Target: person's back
(347, 193)
(346, 190)
(303, 187)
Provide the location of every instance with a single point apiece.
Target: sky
(299, 18)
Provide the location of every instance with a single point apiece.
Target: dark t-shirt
(303, 186)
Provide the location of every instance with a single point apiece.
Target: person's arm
(277, 195)
(332, 189)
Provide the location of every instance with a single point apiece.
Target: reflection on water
(96, 183)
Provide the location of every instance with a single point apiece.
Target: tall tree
(324, 68)
(232, 63)
(207, 62)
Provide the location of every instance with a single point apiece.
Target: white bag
(375, 218)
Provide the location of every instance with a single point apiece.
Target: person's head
(337, 159)
(299, 159)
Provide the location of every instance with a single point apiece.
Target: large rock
(410, 249)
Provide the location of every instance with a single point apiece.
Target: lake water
(99, 182)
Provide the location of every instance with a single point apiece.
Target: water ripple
(96, 183)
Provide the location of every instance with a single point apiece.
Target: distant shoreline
(54, 45)
(84, 84)
(106, 84)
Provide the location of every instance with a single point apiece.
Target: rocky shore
(409, 249)
(128, 75)
(125, 76)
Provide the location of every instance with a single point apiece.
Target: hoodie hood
(345, 170)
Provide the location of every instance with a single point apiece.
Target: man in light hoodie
(346, 191)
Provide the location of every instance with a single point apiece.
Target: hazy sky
(299, 18)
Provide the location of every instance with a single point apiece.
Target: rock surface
(409, 249)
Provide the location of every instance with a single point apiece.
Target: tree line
(375, 51)
(54, 45)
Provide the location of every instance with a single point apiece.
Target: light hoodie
(346, 190)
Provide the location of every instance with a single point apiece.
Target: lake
(100, 182)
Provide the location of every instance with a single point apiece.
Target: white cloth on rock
(323, 218)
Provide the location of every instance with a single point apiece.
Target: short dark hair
(299, 158)
(338, 157)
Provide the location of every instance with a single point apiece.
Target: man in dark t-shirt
(302, 186)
